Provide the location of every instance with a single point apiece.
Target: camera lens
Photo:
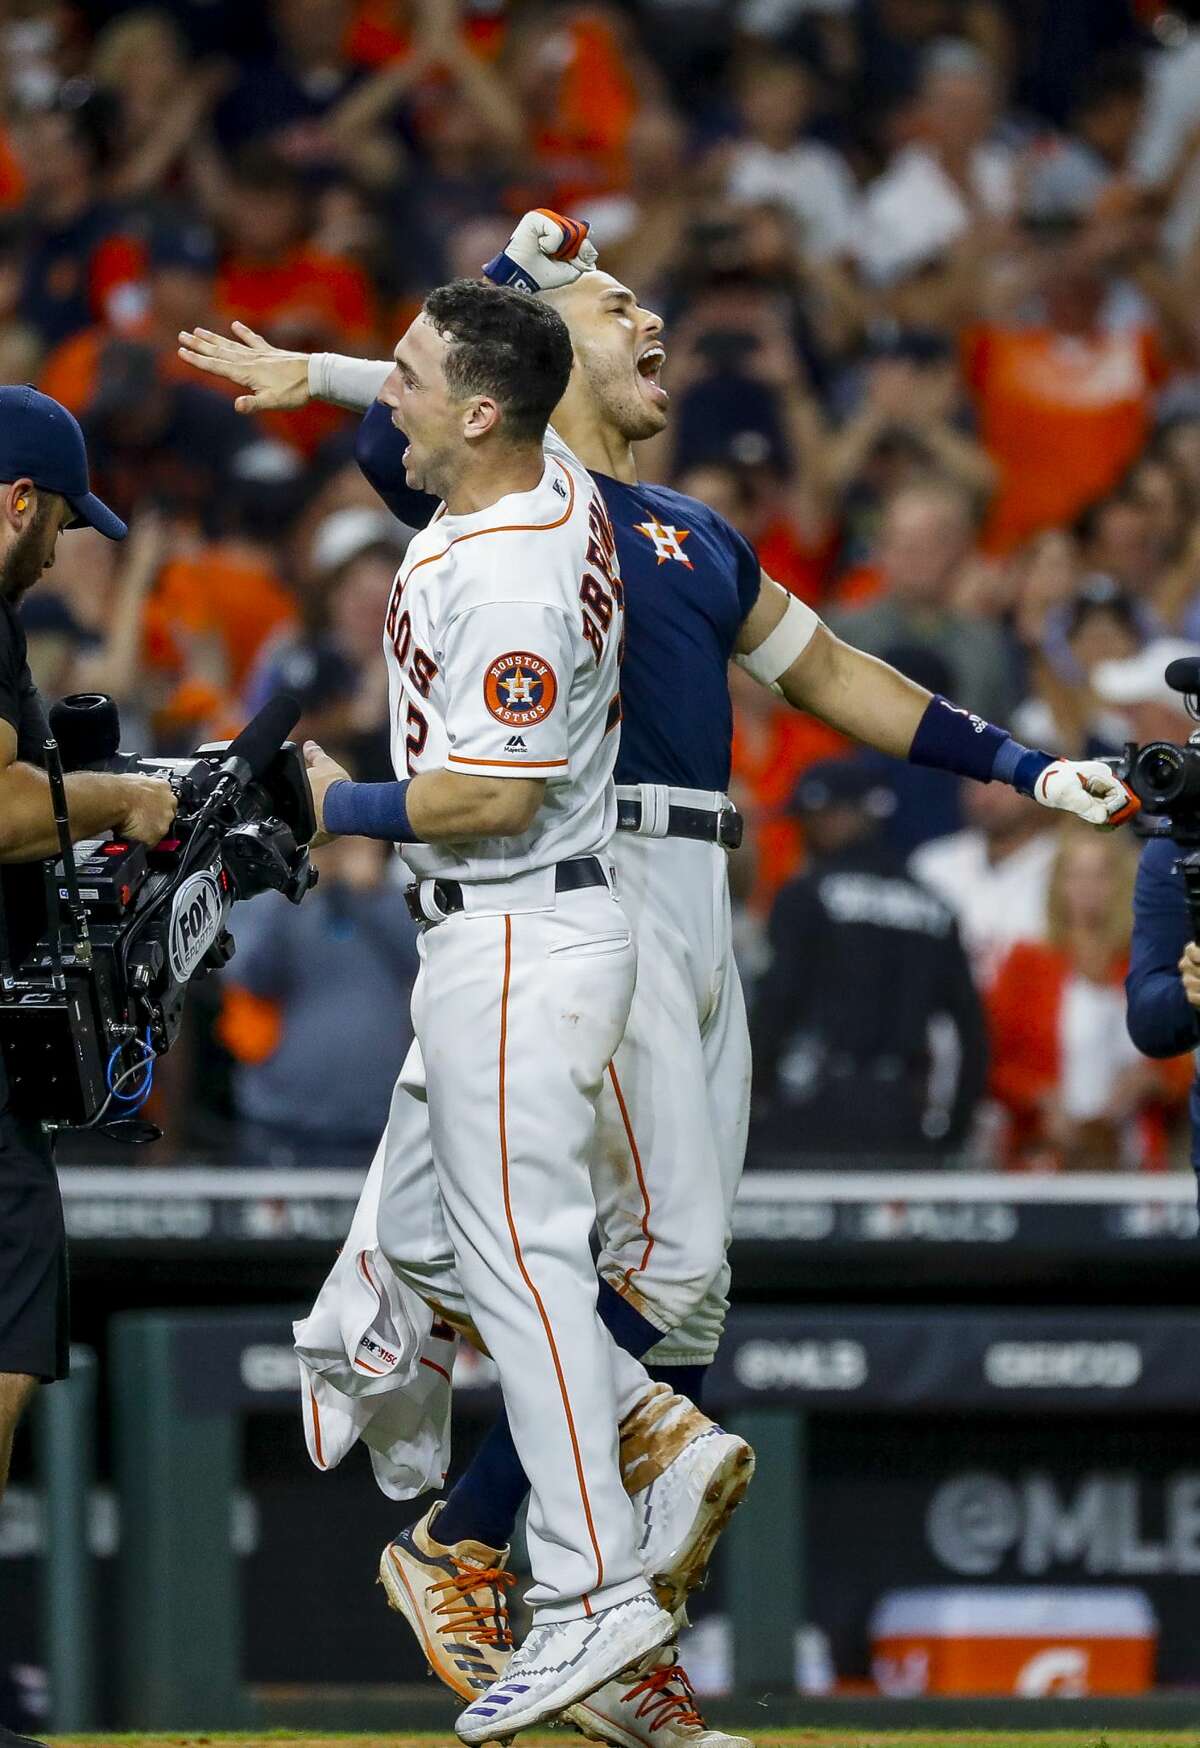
(1165, 775)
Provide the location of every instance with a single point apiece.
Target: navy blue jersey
(690, 580)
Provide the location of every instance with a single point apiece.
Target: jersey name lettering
(600, 590)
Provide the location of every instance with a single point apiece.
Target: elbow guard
(779, 649)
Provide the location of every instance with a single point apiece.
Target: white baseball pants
(676, 1104)
(516, 1019)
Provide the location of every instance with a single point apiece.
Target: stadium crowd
(929, 269)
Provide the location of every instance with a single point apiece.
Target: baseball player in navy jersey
(672, 1119)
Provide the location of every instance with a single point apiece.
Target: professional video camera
(1166, 780)
(128, 925)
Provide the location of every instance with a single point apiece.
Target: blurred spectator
(868, 1034)
(218, 600)
(161, 106)
(1136, 687)
(274, 279)
(177, 292)
(908, 424)
(994, 875)
(1064, 398)
(1165, 151)
(331, 661)
(20, 343)
(1082, 171)
(316, 1012)
(952, 175)
(284, 99)
(272, 276)
(1102, 624)
(772, 162)
(81, 259)
(172, 444)
(581, 79)
(1076, 1093)
(923, 554)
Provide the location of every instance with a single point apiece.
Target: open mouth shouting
(650, 361)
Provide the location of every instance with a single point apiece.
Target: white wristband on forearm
(346, 382)
(779, 649)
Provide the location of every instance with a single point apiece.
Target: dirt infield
(762, 1739)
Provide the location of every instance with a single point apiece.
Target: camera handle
(1189, 867)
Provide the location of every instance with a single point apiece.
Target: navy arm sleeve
(378, 448)
(1160, 1018)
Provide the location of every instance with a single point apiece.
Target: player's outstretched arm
(277, 380)
(436, 807)
(783, 644)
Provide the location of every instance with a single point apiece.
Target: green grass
(763, 1738)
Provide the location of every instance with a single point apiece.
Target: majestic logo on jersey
(520, 689)
(668, 541)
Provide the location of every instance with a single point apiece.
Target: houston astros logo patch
(520, 689)
(667, 541)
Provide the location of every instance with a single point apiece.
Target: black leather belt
(448, 894)
(710, 826)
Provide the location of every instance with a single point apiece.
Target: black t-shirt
(21, 884)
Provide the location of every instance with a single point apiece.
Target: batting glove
(1089, 788)
(546, 250)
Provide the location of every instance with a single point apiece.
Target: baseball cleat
(686, 1477)
(654, 1710)
(453, 1598)
(563, 1662)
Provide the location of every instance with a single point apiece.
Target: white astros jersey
(502, 641)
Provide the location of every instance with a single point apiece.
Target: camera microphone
(87, 727)
(248, 756)
(1183, 674)
(250, 752)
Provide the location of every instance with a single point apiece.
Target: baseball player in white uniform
(502, 641)
(674, 1107)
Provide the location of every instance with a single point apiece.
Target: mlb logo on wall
(520, 689)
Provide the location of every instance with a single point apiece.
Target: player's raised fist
(276, 380)
(547, 250)
(1089, 788)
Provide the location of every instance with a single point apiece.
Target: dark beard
(23, 566)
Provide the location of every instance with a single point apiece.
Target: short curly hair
(505, 344)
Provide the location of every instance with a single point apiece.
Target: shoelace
(481, 1623)
(676, 1708)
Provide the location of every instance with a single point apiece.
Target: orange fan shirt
(1062, 416)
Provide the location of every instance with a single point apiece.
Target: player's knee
(689, 1287)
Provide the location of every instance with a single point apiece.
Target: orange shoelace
(480, 1623)
(660, 1705)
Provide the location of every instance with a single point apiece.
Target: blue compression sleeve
(370, 810)
(949, 738)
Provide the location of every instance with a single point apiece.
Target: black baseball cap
(41, 441)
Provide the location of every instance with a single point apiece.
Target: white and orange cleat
(686, 1477)
(454, 1597)
(656, 1709)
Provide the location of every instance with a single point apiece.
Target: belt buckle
(731, 828)
(427, 902)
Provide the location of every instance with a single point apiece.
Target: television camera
(1165, 777)
(101, 994)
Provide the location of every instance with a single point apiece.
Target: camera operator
(43, 490)
(1162, 990)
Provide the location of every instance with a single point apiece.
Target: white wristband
(779, 649)
(346, 382)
